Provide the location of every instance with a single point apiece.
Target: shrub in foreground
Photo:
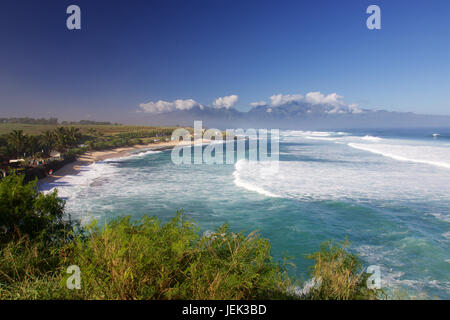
(125, 259)
(30, 270)
(337, 274)
(148, 260)
(24, 211)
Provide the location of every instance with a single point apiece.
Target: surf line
(259, 142)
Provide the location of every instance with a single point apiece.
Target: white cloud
(312, 98)
(187, 104)
(354, 108)
(280, 99)
(258, 104)
(166, 106)
(226, 102)
(332, 99)
(314, 102)
(333, 103)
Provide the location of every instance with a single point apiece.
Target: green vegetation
(39, 145)
(85, 129)
(146, 259)
(51, 121)
(341, 274)
(26, 212)
(40, 141)
(27, 120)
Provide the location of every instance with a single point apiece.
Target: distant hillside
(295, 116)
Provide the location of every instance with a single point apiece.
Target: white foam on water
(243, 165)
(68, 185)
(316, 134)
(394, 279)
(134, 155)
(340, 173)
(84, 182)
(370, 138)
(84, 177)
(82, 185)
(321, 138)
(440, 216)
(337, 137)
(417, 288)
(357, 178)
(435, 156)
(300, 133)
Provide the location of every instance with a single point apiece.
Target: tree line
(20, 145)
(27, 120)
(71, 141)
(52, 121)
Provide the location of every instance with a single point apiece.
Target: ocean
(388, 192)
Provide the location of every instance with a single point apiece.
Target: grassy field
(107, 130)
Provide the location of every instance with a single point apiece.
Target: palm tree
(17, 140)
(66, 138)
(74, 136)
(33, 144)
(47, 141)
(61, 139)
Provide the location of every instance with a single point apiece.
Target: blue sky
(136, 51)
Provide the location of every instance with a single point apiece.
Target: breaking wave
(436, 156)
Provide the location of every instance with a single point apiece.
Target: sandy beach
(94, 156)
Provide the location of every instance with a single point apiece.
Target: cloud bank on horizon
(334, 103)
(226, 102)
(162, 106)
(312, 98)
(312, 111)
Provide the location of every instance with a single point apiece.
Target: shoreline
(91, 157)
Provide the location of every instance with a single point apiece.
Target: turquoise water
(388, 192)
